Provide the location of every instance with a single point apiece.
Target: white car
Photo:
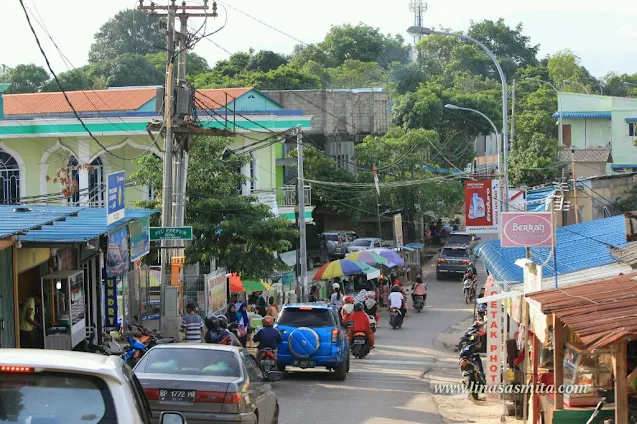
(60, 387)
(365, 243)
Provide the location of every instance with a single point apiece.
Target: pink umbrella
(390, 255)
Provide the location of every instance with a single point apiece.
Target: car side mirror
(274, 376)
(171, 418)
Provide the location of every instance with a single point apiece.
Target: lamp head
(450, 106)
(418, 30)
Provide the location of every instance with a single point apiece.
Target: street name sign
(170, 233)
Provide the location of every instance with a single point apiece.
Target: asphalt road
(388, 385)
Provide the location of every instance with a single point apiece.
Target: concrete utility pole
(301, 199)
(512, 137)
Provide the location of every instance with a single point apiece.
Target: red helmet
(349, 299)
(396, 283)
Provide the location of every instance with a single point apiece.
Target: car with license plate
(313, 337)
(208, 383)
(54, 386)
(453, 260)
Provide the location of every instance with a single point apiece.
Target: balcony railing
(286, 195)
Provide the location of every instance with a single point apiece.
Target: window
(9, 179)
(75, 178)
(362, 242)
(254, 370)
(632, 129)
(186, 361)
(55, 397)
(308, 317)
(459, 238)
(455, 253)
(96, 186)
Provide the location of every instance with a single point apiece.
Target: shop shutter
(7, 310)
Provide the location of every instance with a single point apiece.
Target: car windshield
(331, 237)
(185, 361)
(55, 397)
(305, 317)
(459, 238)
(362, 242)
(454, 253)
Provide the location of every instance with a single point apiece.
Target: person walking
(273, 309)
(192, 325)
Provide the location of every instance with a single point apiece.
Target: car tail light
(466, 261)
(14, 369)
(213, 397)
(305, 308)
(360, 334)
(442, 261)
(335, 335)
(340, 241)
(152, 394)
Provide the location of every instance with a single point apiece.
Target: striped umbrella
(368, 257)
(390, 255)
(340, 268)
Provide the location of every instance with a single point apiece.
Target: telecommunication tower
(419, 7)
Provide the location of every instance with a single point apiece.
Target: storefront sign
(117, 254)
(110, 299)
(139, 238)
(216, 283)
(494, 338)
(398, 229)
(482, 206)
(115, 188)
(526, 229)
(170, 233)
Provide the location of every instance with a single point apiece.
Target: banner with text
(216, 287)
(110, 302)
(527, 229)
(493, 368)
(398, 229)
(482, 206)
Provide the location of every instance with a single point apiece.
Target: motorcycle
(419, 303)
(372, 322)
(134, 351)
(395, 318)
(471, 368)
(268, 361)
(470, 336)
(360, 345)
(468, 287)
(482, 311)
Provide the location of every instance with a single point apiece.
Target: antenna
(419, 7)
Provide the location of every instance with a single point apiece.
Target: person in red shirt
(361, 324)
(347, 309)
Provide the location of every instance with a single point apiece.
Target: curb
(458, 328)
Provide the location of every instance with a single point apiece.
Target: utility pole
(512, 138)
(301, 199)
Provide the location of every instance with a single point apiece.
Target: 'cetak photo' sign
(527, 229)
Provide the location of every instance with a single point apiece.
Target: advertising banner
(110, 302)
(526, 229)
(117, 254)
(139, 238)
(482, 206)
(493, 364)
(115, 188)
(216, 283)
(398, 229)
(517, 200)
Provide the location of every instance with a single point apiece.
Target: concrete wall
(589, 132)
(595, 197)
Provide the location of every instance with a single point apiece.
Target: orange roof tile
(214, 98)
(124, 99)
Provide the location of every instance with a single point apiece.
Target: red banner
(480, 213)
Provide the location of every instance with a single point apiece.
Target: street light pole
(577, 83)
(505, 98)
(559, 105)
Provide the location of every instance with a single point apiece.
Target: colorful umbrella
(369, 257)
(340, 268)
(253, 285)
(391, 256)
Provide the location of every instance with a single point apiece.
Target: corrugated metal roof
(579, 247)
(88, 224)
(583, 115)
(600, 313)
(12, 222)
(630, 119)
(538, 200)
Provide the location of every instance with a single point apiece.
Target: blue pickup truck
(313, 337)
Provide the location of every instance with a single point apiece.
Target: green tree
(27, 78)
(73, 80)
(356, 74)
(533, 161)
(266, 60)
(127, 70)
(130, 31)
(241, 233)
(195, 64)
(404, 78)
(286, 77)
(235, 64)
(565, 65)
(303, 54)
(505, 42)
(613, 84)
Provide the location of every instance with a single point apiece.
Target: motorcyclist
(347, 309)
(419, 289)
(223, 323)
(361, 324)
(267, 337)
(370, 304)
(214, 333)
(397, 300)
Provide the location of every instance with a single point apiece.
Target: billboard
(482, 206)
(398, 229)
(527, 229)
(216, 285)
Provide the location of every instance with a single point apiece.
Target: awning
(288, 258)
(583, 115)
(15, 219)
(630, 119)
(415, 245)
(539, 200)
(623, 166)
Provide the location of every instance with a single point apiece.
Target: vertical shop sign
(139, 238)
(482, 206)
(110, 299)
(398, 229)
(494, 338)
(115, 189)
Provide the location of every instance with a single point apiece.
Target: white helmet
(336, 286)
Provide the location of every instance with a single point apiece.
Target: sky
(603, 34)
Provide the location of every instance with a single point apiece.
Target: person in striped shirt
(192, 325)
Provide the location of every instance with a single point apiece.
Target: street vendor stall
(589, 327)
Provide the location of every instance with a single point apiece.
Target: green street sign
(170, 233)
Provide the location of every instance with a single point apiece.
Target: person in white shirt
(337, 297)
(396, 300)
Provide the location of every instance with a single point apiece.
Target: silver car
(208, 383)
(365, 243)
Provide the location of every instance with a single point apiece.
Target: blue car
(313, 337)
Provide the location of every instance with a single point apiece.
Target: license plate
(169, 395)
(359, 341)
(304, 364)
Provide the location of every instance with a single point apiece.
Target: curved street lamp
(559, 105)
(495, 129)
(418, 30)
(577, 83)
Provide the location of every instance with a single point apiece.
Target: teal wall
(253, 101)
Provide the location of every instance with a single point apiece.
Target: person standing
(273, 309)
(192, 325)
(243, 321)
(29, 327)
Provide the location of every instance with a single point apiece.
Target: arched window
(9, 179)
(96, 186)
(72, 167)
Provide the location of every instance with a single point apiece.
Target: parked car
(364, 243)
(313, 337)
(453, 260)
(458, 237)
(209, 383)
(72, 387)
(337, 242)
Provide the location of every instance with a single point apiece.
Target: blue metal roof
(583, 115)
(630, 119)
(538, 200)
(12, 223)
(442, 170)
(88, 224)
(579, 247)
(623, 165)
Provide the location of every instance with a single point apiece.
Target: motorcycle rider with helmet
(419, 289)
(347, 309)
(214, 333)
(370, 304)
(267, 337)
(361, 324)
(223, 323)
